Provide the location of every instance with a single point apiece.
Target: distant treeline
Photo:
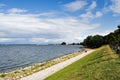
(113, 39)
(64, 43)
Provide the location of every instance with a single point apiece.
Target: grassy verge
(19, 73)
(103, 64)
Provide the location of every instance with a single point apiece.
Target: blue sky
(55, 21)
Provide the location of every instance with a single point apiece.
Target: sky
(55, 21)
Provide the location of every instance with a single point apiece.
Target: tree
(63, 43)
(97, 40)
(87, 41)
(118, 26)
(113, 39)
(93, 41)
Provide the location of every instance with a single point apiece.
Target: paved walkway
(49, 71)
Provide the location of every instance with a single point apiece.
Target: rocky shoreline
(22, 72)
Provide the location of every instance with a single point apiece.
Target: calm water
(16, 56)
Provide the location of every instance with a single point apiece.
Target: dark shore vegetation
(112, 39)
(102, 64)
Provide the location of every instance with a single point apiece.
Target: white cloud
(46, 29)
(90, 15)
(37, 40)
(2, 5)
(9, 40)
(103, 33)
(87, 15)
(17, 10)
(5, 40)
(98, 14)
(115, 7)
(75, 6)
(47, 14)
(92, 6)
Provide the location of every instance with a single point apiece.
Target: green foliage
(112, 38)
(93, 41)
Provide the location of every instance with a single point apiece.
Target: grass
(22, 72)
(102, 64)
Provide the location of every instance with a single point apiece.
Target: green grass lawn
(102, 64)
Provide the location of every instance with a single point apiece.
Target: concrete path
(49, 71)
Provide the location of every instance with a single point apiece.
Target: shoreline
(41, 75)
(29, 70)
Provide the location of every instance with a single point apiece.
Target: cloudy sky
(55, 21)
